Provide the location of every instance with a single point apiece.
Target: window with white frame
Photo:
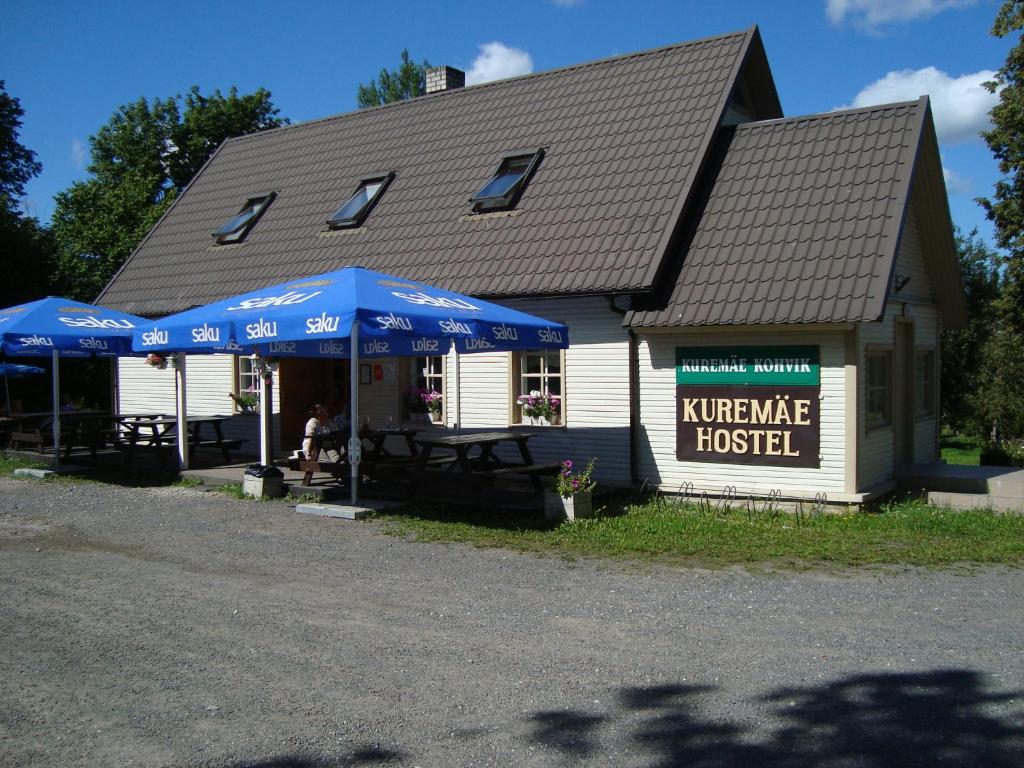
(247, 385)
(879, 389)
(428, 376)
(924, 383)
(539, 384)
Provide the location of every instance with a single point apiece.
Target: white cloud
(960, 105)
(77, 153)
(956, 184)
(496, 62)
(876, 13)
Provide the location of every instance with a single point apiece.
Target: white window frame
(519, 386)
(886, 388)
(435, 372)
(244, 377)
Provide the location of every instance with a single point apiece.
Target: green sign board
(749, 366)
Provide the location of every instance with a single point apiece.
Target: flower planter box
(541, 421)
(576, 507)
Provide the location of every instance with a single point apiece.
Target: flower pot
(577, 506)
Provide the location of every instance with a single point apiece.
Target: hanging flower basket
(156, 360)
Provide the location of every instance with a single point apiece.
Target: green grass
(10, 463)
(960, 449)
(908, 533)
(234, 490)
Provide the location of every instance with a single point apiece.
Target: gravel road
(173, 627)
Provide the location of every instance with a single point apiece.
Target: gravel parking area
(173, 627)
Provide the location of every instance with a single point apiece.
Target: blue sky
(73, 63)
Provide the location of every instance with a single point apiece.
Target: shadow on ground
(369, 756)
(942, 717)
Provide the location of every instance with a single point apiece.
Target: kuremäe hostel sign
(749, 405)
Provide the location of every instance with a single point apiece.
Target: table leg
(220, 441)
(524, 451)
(421, 470)
(462, 454)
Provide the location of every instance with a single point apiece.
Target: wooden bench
(35, 437)
(521, 469)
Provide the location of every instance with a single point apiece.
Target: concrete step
(976, 501)
(962, 478)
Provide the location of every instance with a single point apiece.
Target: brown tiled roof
(801, 223)
(624, 140)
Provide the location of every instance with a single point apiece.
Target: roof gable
(803, 219)
(624, 142)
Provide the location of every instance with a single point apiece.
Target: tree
(140, 160)
(1006, 140)
(963, 348)
(26, 247)
(17, 163)
(1002, 390)
(406, 82)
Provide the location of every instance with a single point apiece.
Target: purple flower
(567, 464)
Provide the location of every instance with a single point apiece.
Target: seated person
(319, 424)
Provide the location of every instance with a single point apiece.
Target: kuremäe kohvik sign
(314, 317)
(749, 405)
(71, 328)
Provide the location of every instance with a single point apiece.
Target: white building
(710, 257)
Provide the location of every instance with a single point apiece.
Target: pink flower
(567, 464)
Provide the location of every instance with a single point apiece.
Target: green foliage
(27, 248)
(406, 82)
(17, 163)
(960, 449)
(1006, 453)
(10, 463)
(28, 253)
(569, 482)
(144, 156)
(963, 348)
(1003, 389)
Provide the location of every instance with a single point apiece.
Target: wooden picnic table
(161, 434)
(476, 470)
(94, 429)
(377, 454)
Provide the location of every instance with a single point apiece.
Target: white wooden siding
(209, 379)
(915, 302)
(656, 442)
(596, 414)
(877, 446)
(910, 263)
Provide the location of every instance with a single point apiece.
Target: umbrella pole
(181, 405)
(56, 409)
(266, 394)
(458, 389)
(7, 393)
(354, 446)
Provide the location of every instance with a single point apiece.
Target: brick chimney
(445, 79)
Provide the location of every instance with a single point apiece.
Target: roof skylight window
(503, 189)
(355, 210)
(238, 226)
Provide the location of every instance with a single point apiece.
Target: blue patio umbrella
(350, 313)
(55, 327)
(14, 371)
(321, 316)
